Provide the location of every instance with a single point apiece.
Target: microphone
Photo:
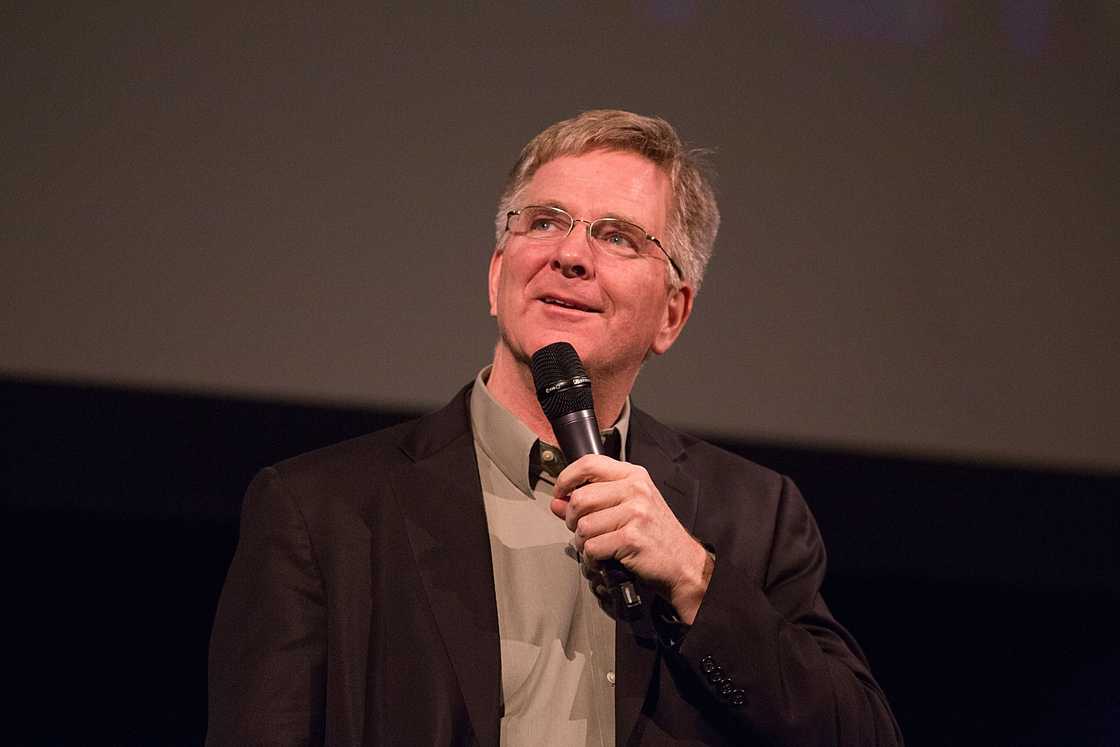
(564, 392)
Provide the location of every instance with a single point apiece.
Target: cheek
(517, 267)
(509, 283)
(642, 305)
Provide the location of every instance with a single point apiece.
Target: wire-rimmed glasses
(615, 236)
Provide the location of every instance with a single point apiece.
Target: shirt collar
(509, 443)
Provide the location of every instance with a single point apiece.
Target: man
(426, 584)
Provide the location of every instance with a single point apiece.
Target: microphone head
(562, 384)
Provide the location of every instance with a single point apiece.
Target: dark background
(985, 597)
(230, 232)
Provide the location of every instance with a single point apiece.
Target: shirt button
(548, 455)
(610, 678)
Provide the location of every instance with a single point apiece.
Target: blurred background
(235, 231)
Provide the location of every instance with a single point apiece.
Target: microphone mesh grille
(560, 362)
(567, 401)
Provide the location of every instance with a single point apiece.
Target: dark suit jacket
(360, 609)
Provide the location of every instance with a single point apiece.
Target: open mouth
(567, 304)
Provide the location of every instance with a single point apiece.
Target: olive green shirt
(557, 644)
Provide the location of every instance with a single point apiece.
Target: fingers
(594, 483)
(614, 510)
(597, 582)
(591, 468)
(585, 499)
(595, 524)
(594, 498)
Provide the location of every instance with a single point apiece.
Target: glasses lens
(619, 237)
(541, 222)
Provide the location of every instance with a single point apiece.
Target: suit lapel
(636, 650)
(441, 501)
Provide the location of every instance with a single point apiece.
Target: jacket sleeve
(267, 649)
(775, 665)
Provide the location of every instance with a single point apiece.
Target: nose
(573, 256)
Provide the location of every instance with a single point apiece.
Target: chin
(597, 358)
(523, 349)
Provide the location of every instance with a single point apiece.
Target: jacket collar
(441, 501)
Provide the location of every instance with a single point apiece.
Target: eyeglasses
(614, 236)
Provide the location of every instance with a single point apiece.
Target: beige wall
(919, 250)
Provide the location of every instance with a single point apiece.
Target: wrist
(689, 591)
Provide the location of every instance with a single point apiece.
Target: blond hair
(693, 216)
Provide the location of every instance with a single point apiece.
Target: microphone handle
(578, 434)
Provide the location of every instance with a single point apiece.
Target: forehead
(604, 182)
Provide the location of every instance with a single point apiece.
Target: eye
(620, 240)
(620, 236)
(542, 221)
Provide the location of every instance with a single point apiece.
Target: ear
(494, 279)
(678, 307)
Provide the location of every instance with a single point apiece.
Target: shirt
(557, 643)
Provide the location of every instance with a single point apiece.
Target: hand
(616, 511)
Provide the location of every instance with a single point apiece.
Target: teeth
(565, 304)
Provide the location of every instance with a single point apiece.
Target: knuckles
(642, 512)
(576, 502)
(593, 550)
(634, 490)
(629, 537)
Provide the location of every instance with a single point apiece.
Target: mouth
(567, 303)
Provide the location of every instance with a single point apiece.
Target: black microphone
(564, 391)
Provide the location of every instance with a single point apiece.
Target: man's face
(613, 310)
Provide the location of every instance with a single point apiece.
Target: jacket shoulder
(702, 457)
(351, 470)
(379, 448)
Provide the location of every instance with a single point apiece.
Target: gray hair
(693, 216)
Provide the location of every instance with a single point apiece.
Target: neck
(511, 384)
